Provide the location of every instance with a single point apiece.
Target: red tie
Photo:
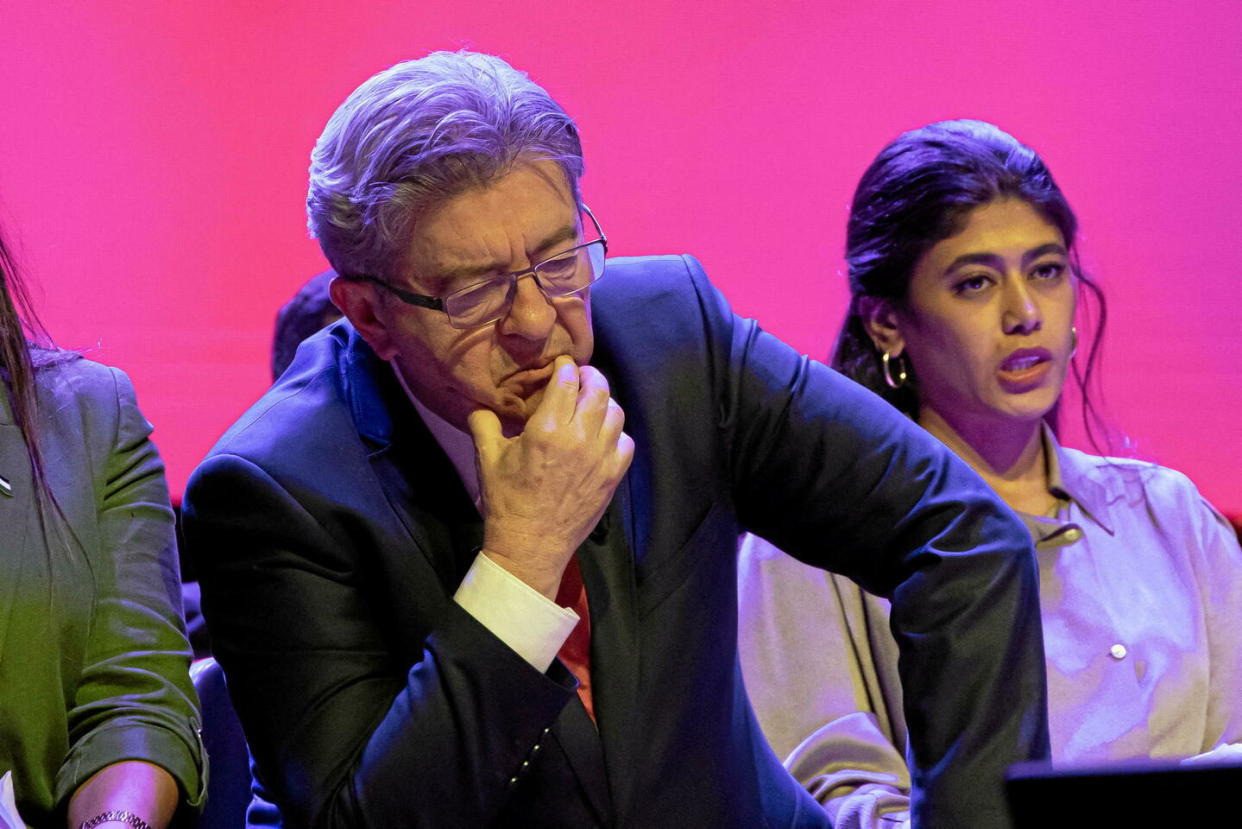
(576, 652)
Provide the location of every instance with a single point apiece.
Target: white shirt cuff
(519, 615)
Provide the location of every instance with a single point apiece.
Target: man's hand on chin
(546, 489)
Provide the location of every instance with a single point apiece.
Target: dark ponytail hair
(24, 348)
(918, 192)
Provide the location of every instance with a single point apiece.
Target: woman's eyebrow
(989, 259)
(1043, 250)
(993, 260)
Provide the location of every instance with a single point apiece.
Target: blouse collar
(1069, 479)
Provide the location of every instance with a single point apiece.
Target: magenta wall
(154, 154)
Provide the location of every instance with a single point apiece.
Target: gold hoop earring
(901, 370)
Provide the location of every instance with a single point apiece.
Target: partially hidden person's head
(439, 191)
(964, 278)
(305, 313)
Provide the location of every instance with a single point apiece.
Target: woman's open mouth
(1025, 369)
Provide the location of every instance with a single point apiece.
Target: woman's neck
(1008, 455)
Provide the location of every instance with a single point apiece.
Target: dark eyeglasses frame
(437, 303)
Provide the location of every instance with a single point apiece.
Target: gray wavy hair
(416, 134)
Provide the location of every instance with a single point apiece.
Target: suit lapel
(608, 573)
(419, 481)
(424, 491)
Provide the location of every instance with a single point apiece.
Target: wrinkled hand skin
(546, 489)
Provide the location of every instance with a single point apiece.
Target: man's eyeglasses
(567, 273)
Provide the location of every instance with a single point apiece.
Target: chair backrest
(228, 783)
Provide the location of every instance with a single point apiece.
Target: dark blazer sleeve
(345, 731)
(133, 700)
(833, 475)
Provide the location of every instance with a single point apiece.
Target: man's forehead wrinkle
(505, 225)
(475, 257)
(443, 249)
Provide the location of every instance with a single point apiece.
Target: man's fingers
(560, 396)
(485, 429)
(614, 422)
(593, 400)
(624, 454)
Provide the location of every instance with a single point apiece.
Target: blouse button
(1118, 651)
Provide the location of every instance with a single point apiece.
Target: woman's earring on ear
(1073, 340)
(887, 372)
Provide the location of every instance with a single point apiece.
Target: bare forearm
(133, 786)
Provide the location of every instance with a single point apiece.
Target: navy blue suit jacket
(331, 533)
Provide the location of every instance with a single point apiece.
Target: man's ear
(879, 318)
(361, 304)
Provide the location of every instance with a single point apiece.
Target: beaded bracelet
(118, 816)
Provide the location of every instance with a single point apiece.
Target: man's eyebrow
(545, 246)
(553, 240)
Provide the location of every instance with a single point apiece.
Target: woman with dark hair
(965, 288)
(98, 720)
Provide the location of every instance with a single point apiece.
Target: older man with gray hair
(470, 562)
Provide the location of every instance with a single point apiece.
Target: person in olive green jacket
(98, 719)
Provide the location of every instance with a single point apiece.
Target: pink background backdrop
(154, 157)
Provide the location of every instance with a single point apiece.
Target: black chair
(228, 784)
